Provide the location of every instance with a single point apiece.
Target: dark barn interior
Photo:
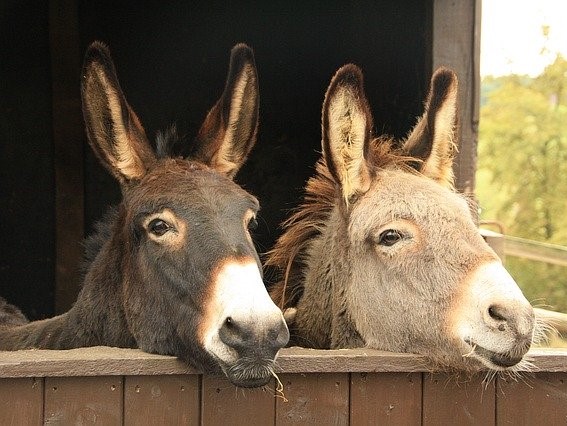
(172, 60)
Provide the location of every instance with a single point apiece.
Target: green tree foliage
(522, 170)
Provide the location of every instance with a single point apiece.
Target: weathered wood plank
(548, 359)
(385, 399)
(301, 360)
(448, 400)
(321, 398)
(21, 401)
(540, 399)
(534, 250)
(83, 400)
(328, 397)
(456, 44)
(224, 404)
(68, 139)
(97, 361)
(174, 400)
(94, 361)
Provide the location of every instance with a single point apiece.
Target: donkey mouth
(250, 374)
(251, 383)
(501, 360)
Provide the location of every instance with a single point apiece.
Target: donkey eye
(252, 224)
(389, 237)
(158, 227)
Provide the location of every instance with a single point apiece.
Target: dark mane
(166, 142)
(10, 316)
(94, 242)
(303, 225)
(321, 196)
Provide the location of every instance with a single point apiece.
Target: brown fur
(149, 272)
(10, 315)
(321, 193)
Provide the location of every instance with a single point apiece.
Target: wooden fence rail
(507, 245)
(534, 250)
(111, 386)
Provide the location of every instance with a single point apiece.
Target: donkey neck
(322, 312)
(79, 327)
(44, 334)
(97, 317)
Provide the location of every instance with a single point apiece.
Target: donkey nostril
(236, 333)
(497, 313)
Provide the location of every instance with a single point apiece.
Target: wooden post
(456, 44)
(68, 139)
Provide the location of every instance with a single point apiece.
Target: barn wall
(27, 189)
(172, 62)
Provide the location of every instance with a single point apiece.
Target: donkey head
(421, 278)
(190, 279)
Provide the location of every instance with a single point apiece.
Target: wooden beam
(535, 250)
(68, 139)
(456, 44)
(102, 360)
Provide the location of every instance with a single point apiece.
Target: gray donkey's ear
(346, 131)
(432, 139)
(114, 132)
(228, 133)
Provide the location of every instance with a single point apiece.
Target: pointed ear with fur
(432, 139)
(346, 132)
(229, 130)
(114, 132)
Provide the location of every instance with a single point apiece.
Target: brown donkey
(384, 254)
(173, 269)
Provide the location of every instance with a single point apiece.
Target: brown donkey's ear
(432, 139)
(113, 130)
(229, 130)
(346, 131)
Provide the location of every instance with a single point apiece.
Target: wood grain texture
(321, 398)
(534, 400)
(461, 401)
(94, 361)
(102, 360)
(68, 140)
(301, 360)
(385, 399)
(456, 44)
(143, 386)
(225, 404)
(21, 401)
(83, 400)
(174, 400)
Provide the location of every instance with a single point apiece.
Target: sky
(512, 39)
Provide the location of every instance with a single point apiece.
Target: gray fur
(424, 293)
